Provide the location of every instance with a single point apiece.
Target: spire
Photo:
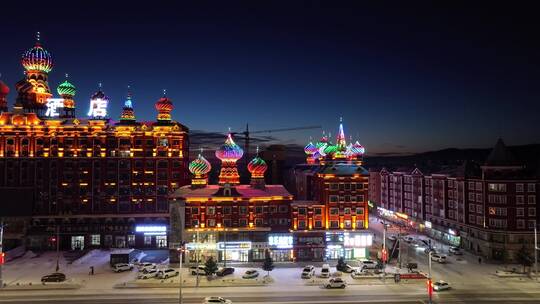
(340, 140)
(128, 115)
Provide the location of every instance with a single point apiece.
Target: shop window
(147, 240)
(95, 239)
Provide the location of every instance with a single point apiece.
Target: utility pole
(430, 291)
(384, 251)
(2, 256)
(57, 248)
(181, 252)
(198, 254)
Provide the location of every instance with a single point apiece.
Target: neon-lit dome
(229, 151)
(164, 106)
(310, 148)
(257, 167)
(4, 89)
(358, 149)
(99, 95)
(66, 88)
(200, 166)
(37, 59)
(330, 149)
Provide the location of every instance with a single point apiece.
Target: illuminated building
(330, 214)
(230, 220)
(100, 183)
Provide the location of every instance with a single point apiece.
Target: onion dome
(200, 166)
(99, 95)
(229, 151)
(164, 106)
(330, 149)
(358, 149)
(4, 89)
(37, 58)
(310, 149)
(67, 89)
(257, 167)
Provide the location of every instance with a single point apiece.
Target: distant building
(330, 214)
(490, 209)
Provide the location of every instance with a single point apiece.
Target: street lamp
(198, 253)
(430, 290)
(180, 252)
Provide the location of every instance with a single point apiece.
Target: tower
(67, 90)
(229, 153)
(164, 106)
(128, 115)
(34, 89)
(200, 168)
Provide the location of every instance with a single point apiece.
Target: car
(345, 268)
(430, 249)
(408, 239)
(147, 274)
(335, 283)
(325, 271)
(167, 273)
(358, 274)
(224, 271)
(308, 272)
(368, 264)
(216, 300)
(250, 274)
(54, 277)
(440, 286)
(438, 257)
(455, 250)
(146, 266)
(392, 237)
(122, 267)
(201, 269)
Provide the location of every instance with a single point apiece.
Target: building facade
(490, 209)
(95, 183)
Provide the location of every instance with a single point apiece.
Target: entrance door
(120, 242)
(77, 242)
(161, 241)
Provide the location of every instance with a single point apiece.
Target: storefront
(449, 236)
(309, 246)
(280, 247)
(349, 245)
(234, 251)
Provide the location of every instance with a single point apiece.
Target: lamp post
(198, 254)
(180, 252)
(1, 251)
(384, 257)
(430, 290)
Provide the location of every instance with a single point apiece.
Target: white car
(408, 239)
(201, 270)
(455, 250)
(216, 300)
(392, 237)
(147, 274)
(325, 271)
(167, 273)
(122, 267)
(440, 286)
(250, 274)
(438, 258)
(308, 272)
(335, 283)
(368, 264)
(147, 266)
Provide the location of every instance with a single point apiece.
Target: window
(194, 223)
(497, 199)
(520, 224)
(227, 222)
(211, 223)
(283, 209)
(95, 240)
(301, 224)
(520, 199)
(519, 188)
(334, 211)
(131, 240)
(497, 187)
(532, 224)
(211, 210)
(348, 187)
(347, 210)
(359, 198)
(348, 224)
(318, 211)
(479, 209)
(471, 185)
(258, 222)
(497, 223)
(479, 220)
(347, 198)
(334, 224)
(531, 187)
(359, 224)
(318, 224)
(472, 219)
(520, 211)
(359, 211)
(334, 198)
(478, 186)
(243, 210)
(334, 186)
(227, 210)
(148, 240)
(258, 209)
(532, 211)
(302, 211)
(273, 209)
(471, 196)
(194, 210)
(531, 199)
(479, 198)
(242, 222)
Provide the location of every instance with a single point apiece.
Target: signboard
(52, 106)
(98, 108)
(234, 246)
(358, 240)
(152, 230)
(280, 241)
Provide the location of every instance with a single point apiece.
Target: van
(325, 271)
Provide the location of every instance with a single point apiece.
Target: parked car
(250, 274)
(345, 268)
(201, 269)
(147, 274)
(216, 300)
(224, 271)
(455, 250)
(408, 239)
(335, 283)
(392, 237)
(440, 286)
(358, 274)
(54, 277)
(122, 267)
(369, 264)
(308, 272)
(325, 271)
(438, 257)
(167, 273)
(147, 266)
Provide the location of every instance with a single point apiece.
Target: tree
(341, 264)
(523, 258)
(268, 264)
(210, 266)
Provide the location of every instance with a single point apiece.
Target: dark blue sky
(404, 78)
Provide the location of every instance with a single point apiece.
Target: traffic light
(2, 258)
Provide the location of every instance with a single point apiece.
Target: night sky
(404, 78)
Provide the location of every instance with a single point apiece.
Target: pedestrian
(479, 260)
(91, 270)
